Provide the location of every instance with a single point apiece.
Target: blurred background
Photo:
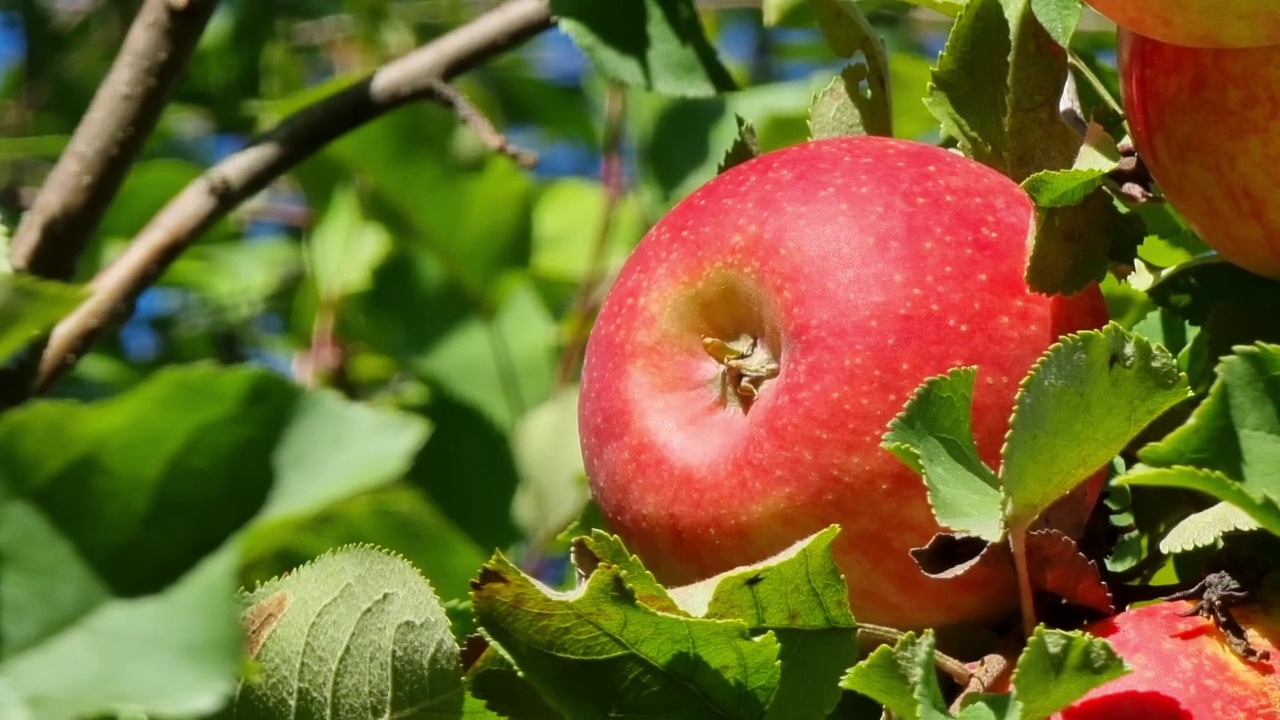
(406, 264)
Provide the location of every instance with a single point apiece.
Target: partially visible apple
(1198, 23)
(1183, 669)
(1204, 122)
(755, 346)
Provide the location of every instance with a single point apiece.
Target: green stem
(1018, 543)
(1079, 65)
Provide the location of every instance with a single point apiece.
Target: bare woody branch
(124, 111)
(418, 75)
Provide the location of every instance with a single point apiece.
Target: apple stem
(1018, 543)
(882, 635)
(747, 365)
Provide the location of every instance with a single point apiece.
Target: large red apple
(1204, 122)
(1183, 669)
(1198, 23)
(755, 346)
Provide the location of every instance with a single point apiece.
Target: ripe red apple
(757, 343)
(1198, 23)
(1203, 121)
(1183, 669)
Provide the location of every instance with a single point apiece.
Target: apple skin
(1198, 23)
(865, 266)
(1203, 121)
(1183, 670)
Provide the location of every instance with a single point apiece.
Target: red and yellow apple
(757, 343)
(1198, 23)
(1204, 122)
(1183, 669)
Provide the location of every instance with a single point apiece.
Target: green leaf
(1059, 18)
(334, 448)
(173, 653)
(1084, 400)
(1206, 527)
(553, 484)
(1193, 289)
(934, 436)
(496, 681)
(598, 651)
(238, 279)
(1057, 668)
(567, 218)
(30, 306)
(801, 596)
(1230, 446)
(357, 633)
(745, 146)
(1080, 229)
(1074, 245)
(1264, 510)
(501, 366)
(787, 13)
(114, 543)
(223, 445)
(131, 472)
(345, 248)
(950, 8)
(657, 45)
(843, 109)
(902, 678)
(599, 548)
(1062, 188)
(996, 89)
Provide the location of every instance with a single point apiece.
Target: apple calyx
(746, 365)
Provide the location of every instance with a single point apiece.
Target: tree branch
(216, 192)
(124, 111)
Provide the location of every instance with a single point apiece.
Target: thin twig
(873, 636)
(124, 111)
(221, 188)
(473, 118)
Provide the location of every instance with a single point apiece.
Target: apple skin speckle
(758, 251)
(1183, 669)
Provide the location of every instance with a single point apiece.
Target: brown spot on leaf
(260, 619)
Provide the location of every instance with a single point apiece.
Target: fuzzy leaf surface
(1059, 18)
(934, 436)
(1084, 400)
(356, 633)
(597, 651)
(657, 45)
(1057, 668)
(1203, 528)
